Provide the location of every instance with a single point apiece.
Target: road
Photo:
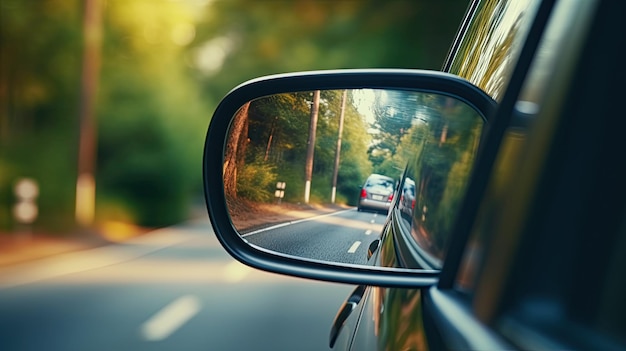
(172, 289)
(342, 236)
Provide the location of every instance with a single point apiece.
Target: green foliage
(281, 36)
(350, 179)
(256, 181)
(39, 72)
(442, 166)
(151, 120)
(165, 64)
(137, 163)
(277, 139)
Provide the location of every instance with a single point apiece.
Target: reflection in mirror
(298, 165)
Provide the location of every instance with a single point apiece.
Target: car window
(549, 54)
(384, 183)
(492, 43)
(565, 250)
(571, 295)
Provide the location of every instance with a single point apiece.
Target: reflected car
(376, 194)
(406, 202)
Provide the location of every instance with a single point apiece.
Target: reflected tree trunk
(270, 139)
(85, 183)
(338, 148)
(308, 170)
(235, 150)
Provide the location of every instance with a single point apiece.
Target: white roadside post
(25, 210)
(280, 191)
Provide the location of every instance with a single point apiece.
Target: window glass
(492, 43)
(580, 306)
(560, 37)
(569, 266)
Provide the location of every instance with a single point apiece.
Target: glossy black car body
(514, 276)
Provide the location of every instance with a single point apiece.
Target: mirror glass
(315, 174)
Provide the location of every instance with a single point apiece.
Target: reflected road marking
(368, 232)
(295, 222)
(354, 247)
(170, 318)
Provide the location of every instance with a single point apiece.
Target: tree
(39, 73)
(235, 150)
(163, 72)
(394, 116)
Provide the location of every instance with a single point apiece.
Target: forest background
(162, 67)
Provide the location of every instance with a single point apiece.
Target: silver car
(377, 193)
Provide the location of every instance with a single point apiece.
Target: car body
(406, 203)
(533, 257)
(376, 193)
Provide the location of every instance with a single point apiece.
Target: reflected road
(342, 236)
(172, 289)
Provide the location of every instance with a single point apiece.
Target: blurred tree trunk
(85, 182)
(235, 150)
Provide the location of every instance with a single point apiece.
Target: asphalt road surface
(172, 289)
(342, 236)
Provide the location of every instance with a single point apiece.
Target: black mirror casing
(236, 246)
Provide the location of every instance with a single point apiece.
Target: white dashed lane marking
(354, 247)
(170, 318)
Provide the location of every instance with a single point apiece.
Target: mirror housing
(238, 247)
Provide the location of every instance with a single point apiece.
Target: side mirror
(279, 146)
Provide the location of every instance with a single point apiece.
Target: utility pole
(85, 183)
(338, 149)
(308, 169)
